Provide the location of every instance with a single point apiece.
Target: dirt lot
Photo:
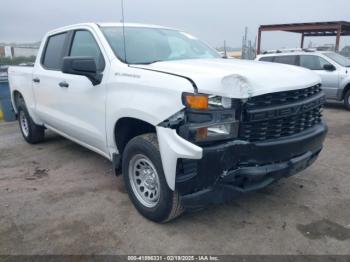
(59, 198)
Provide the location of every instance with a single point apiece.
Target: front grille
(277, 119)
(281, 98)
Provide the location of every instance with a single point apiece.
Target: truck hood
(238, 78)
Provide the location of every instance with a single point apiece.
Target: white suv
(333, 69)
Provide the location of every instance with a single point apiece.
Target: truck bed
(20, 78)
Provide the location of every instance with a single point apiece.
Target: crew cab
(186, 127)
(333, 68)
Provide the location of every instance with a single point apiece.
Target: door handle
(63, 84)
(36, 80)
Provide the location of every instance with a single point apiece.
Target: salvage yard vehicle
(332, 67)
(186, 127)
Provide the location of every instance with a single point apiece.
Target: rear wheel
(145, 180)
(31, 132)
(347, 99)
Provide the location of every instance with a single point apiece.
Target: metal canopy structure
(338, 29)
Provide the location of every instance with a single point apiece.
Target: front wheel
(145, 180)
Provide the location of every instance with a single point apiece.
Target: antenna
(122, 4)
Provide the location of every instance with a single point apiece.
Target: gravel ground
(60, 198)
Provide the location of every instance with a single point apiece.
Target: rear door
(330, 79)
(286, 59)
(46, 77)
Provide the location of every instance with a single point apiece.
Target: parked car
(332, 67)
(187, 127)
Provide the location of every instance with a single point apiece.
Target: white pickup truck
(186, 127)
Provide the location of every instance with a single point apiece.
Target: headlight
(204, 102)
(220, 101)
(210, 118)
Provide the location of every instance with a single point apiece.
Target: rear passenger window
(84, 44)
(286, 59)
(54, 52)
(266, 59)
(312, 62)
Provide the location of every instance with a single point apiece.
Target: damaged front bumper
(236, 167)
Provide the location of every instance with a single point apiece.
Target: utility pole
(244, 44)
(225, 51)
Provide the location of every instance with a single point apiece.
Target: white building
(18, 50)
(24, 51)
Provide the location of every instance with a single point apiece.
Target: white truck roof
(106, 24)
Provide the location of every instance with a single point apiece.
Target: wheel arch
(26, 99)
(171, 145)
(126, 128)
(16, 97)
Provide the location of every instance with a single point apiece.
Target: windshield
(149, 45)
(339, 59)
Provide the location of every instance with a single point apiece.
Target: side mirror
(84, 66)
(329, 67)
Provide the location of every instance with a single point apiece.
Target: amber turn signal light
(195, 101)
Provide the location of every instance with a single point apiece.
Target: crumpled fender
(172, 147)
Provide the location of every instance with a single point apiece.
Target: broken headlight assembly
(210, 118)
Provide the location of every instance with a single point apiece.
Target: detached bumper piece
(234, 168)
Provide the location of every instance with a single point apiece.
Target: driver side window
(313, 62)
(84, 44)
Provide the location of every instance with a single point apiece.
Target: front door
(82, 103)
(69, 103)
(330, 79)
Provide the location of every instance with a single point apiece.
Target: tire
(31, 132)
(141, 158)
(347, 99)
